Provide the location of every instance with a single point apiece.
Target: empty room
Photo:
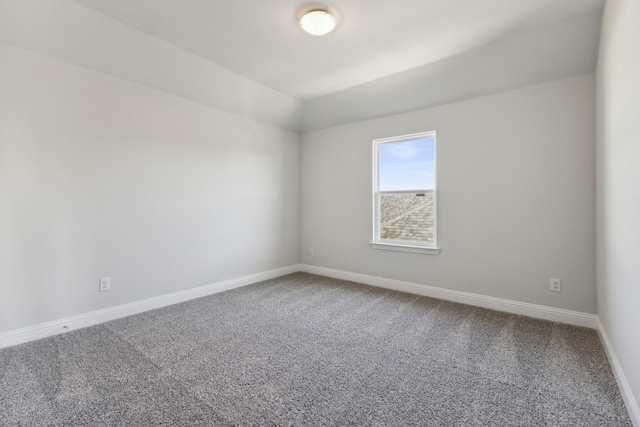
(376, 213)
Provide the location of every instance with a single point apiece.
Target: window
(404, 193)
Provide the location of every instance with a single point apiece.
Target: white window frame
(395, 245)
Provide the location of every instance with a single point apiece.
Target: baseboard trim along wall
(55, 327)
(43, 330)
(516, 307)
(621, 379)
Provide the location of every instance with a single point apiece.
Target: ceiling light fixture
(318, 22)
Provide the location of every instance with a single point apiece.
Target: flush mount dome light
(318, 22)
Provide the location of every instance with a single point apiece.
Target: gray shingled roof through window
(407, 217)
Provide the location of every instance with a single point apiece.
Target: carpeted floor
(308, 350)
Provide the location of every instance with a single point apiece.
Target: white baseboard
(55, 327)
(532, 310)
(627, 395)
(44, 330)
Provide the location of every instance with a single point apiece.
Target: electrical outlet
(312, 252)
(105, 284)
(555, 285)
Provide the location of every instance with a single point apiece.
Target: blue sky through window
(407, 165)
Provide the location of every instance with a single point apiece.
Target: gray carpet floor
(309, 350)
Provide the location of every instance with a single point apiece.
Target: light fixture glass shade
(318, 22)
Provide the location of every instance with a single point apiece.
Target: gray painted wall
(516, 195)
(101, 177)
(618, 183)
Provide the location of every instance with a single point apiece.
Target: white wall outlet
(555, 285)
(312, 252)
(105, 284)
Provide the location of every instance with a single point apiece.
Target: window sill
(405, 248)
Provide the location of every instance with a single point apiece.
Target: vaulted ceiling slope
(249, 57)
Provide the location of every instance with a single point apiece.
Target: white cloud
(403, 150)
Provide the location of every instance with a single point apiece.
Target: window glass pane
(407, 217)
(407, 165)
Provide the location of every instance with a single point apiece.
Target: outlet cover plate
(105, 284)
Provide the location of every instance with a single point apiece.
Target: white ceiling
(249, 57)
(261, 40)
